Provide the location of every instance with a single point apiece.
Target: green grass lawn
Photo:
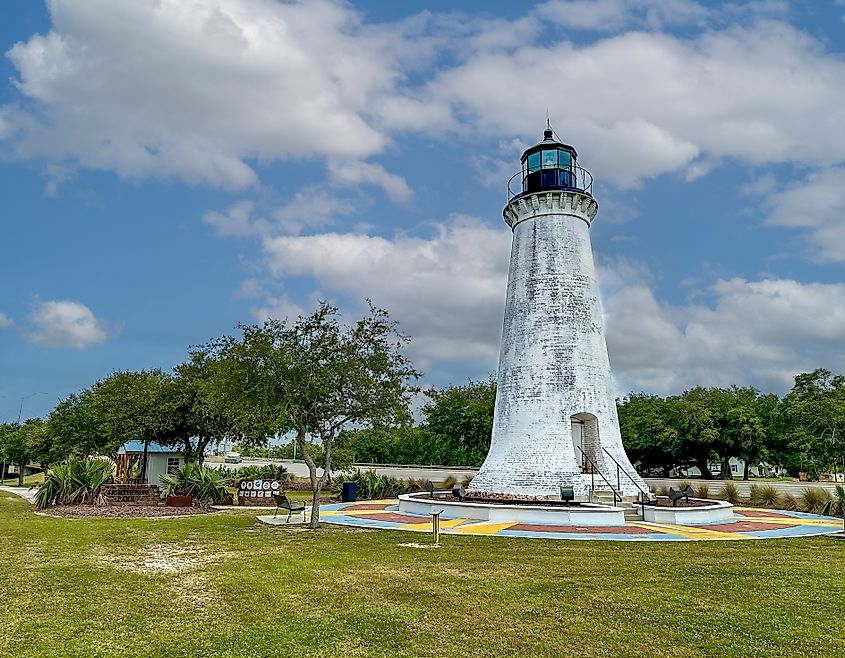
(225, 585)
(28, 480)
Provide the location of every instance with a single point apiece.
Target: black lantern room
(550, 165)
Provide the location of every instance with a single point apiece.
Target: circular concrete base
(745, 523)
(587, 514)
(713, 511)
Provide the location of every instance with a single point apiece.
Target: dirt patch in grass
(164, 559)
(125, 512)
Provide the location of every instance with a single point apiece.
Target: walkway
(23, 492)
(747, 523)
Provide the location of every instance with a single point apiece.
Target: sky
(172, 168)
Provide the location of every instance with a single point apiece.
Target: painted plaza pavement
(748, 523)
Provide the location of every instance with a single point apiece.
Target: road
(440, 473)
(299, 469)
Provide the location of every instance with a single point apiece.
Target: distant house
(160, 460)
(737, 467)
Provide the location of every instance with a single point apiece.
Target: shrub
(788, 502)
(729, 492)
(74, 482)
(205, 484)
(814, 499)
(764, 495)
(467, 481)
(416, 484)
(836, 505)
(449, 483)
(370, 485)
(662, 490)
(684, 484)
(265, 472)
(702, 491)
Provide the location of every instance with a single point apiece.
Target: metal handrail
(582, 181)
(619, 468)
(616, 494)
(644, 493)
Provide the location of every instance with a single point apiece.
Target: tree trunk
(20, 475)
(202, 444)
(726, 469)
(143, 476)
(312, 475)
(746, 470)
(315, 507)
(704, 469)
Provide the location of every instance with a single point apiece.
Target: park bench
(284, 503)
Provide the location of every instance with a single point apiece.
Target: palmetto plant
(205, 484)
(836, 505)
(74, 482)
(701, 491)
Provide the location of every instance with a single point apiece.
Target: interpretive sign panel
(258, 492)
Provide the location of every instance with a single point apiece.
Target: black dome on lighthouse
(549, 142)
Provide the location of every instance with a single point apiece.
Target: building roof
(138, 446)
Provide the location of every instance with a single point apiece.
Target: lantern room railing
(573, 178)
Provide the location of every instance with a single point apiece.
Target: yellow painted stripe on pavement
(792, 520)
(485, 528)
(445, 523)
(688, 531)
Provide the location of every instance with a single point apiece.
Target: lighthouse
(555, 422)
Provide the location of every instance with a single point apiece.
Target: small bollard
(435, 526)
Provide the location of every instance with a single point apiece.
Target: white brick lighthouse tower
(555, 422)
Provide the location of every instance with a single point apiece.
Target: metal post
(435, 526)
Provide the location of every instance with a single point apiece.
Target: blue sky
(169, 169)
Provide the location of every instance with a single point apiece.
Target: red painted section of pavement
(392, 517)
(743, 526)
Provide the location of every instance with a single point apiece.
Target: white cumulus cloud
(202, 90)
(5, 321)
(194, 88)
(639, 104)
(448, 290)
(65, 324)
(816, 206)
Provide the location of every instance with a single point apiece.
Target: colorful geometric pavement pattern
(747, 523)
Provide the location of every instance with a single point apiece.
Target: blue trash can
(350, 492)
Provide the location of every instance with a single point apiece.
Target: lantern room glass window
(565, 159)
(534, 162)
(550, 159)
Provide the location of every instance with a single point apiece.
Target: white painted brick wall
(553, 359)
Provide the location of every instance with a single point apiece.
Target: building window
(733, 468)
(173, 464)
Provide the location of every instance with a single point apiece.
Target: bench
(284, 503)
